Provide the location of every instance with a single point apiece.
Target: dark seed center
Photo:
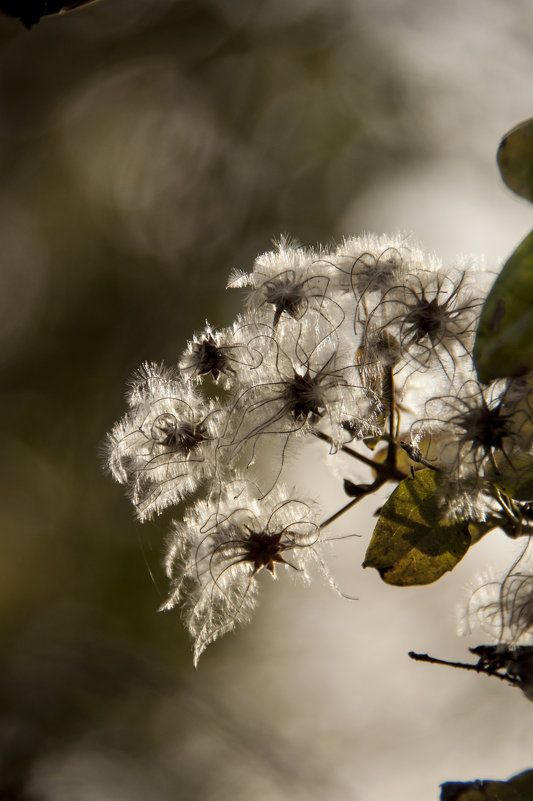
(209, 357)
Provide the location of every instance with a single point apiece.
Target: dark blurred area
(146, 149)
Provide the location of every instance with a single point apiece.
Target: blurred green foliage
(504, 339)
(145, 150)
(515, 159)
(505, 333)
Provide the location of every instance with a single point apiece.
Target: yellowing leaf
(412, 543)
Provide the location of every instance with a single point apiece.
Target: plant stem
(389, 399)
(387, 471)
(365, 490)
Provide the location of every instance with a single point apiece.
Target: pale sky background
(351, 705)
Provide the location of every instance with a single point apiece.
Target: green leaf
(478, 528)
(516, 479)
(515, 159)
(504, 341)
(519, 788)
(412, 543)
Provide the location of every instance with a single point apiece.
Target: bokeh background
(146, 149)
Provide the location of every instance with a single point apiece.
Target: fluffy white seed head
(167, 443)
(216, 554)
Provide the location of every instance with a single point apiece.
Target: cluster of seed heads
(369, 341)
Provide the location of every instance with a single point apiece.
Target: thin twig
(415, 454)
(478, 668)
(386, 471)
(364, 492)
